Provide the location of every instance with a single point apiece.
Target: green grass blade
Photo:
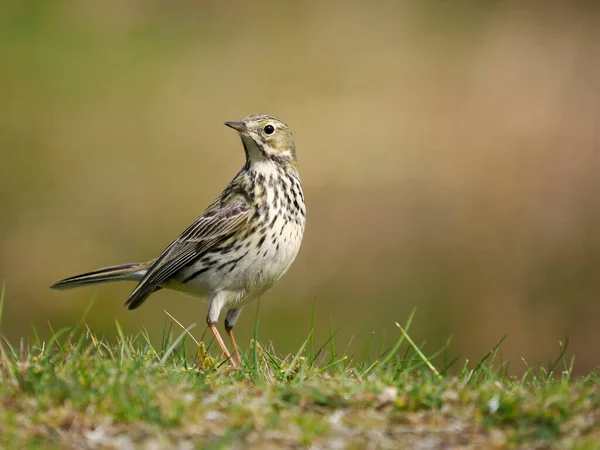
(331, 340)
(560, 358)
(255, 346)
(81, 322)
(54, 340)
(419, 352)
(125, 350)
(398, 343)
(296, 357)
(368, 347)
(175, 343)
(325, 344)
(311, 347)
(146, 337)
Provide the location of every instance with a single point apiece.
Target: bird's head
(266, 138)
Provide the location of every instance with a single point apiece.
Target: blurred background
(449, 153)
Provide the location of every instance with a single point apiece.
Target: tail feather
(133, 272)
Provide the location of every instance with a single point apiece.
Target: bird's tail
(133, 272)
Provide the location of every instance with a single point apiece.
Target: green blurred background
(449, 153)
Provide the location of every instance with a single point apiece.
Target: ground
(78, 391)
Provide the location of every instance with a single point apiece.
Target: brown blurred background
(449, 153)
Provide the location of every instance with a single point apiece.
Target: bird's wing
(216, 224)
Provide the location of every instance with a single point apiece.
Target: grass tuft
(78, 390)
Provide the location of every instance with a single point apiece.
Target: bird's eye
(269, 129)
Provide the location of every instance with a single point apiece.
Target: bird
(242, 243)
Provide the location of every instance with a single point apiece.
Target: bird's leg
(230, 319)
(219, 340)
(238, 358)
(215, 305)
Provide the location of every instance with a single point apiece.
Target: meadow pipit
(241, 244)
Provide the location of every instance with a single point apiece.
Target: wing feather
(219, 222)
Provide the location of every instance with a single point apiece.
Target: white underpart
(265, 167)
(259, 267)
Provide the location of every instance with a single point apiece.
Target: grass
(78, 390)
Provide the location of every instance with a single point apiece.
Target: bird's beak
(239, 126)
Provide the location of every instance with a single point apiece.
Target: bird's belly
(261, 260)
(194, 287)
(268, 259)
